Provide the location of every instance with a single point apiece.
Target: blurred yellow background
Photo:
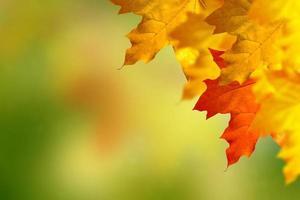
(74, 126)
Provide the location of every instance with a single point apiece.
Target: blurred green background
(73, 126)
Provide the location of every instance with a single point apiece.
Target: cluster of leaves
(253, 73)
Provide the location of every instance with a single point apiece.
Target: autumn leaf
(279, 94)
(290, 150)
(159, 18)
(287, 12)
(255, 44)
(181, 24)
(233, 15)
(238, 101)
(192, 52)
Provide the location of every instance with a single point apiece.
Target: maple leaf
(238, 101)
(279, 93)
(255, 45)
(231, 16)
(290, 151)
(159, 18)
(288, 13)
(180, 23)
(193, 54)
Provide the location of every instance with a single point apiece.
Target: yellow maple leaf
(290, 151)
(279, 96)
(231, 17)
(253, 49)
(288, 13)
(192, 51)
(181, 24)
(255, 45)
(159, 19)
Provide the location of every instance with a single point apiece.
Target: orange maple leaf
(238, 101)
